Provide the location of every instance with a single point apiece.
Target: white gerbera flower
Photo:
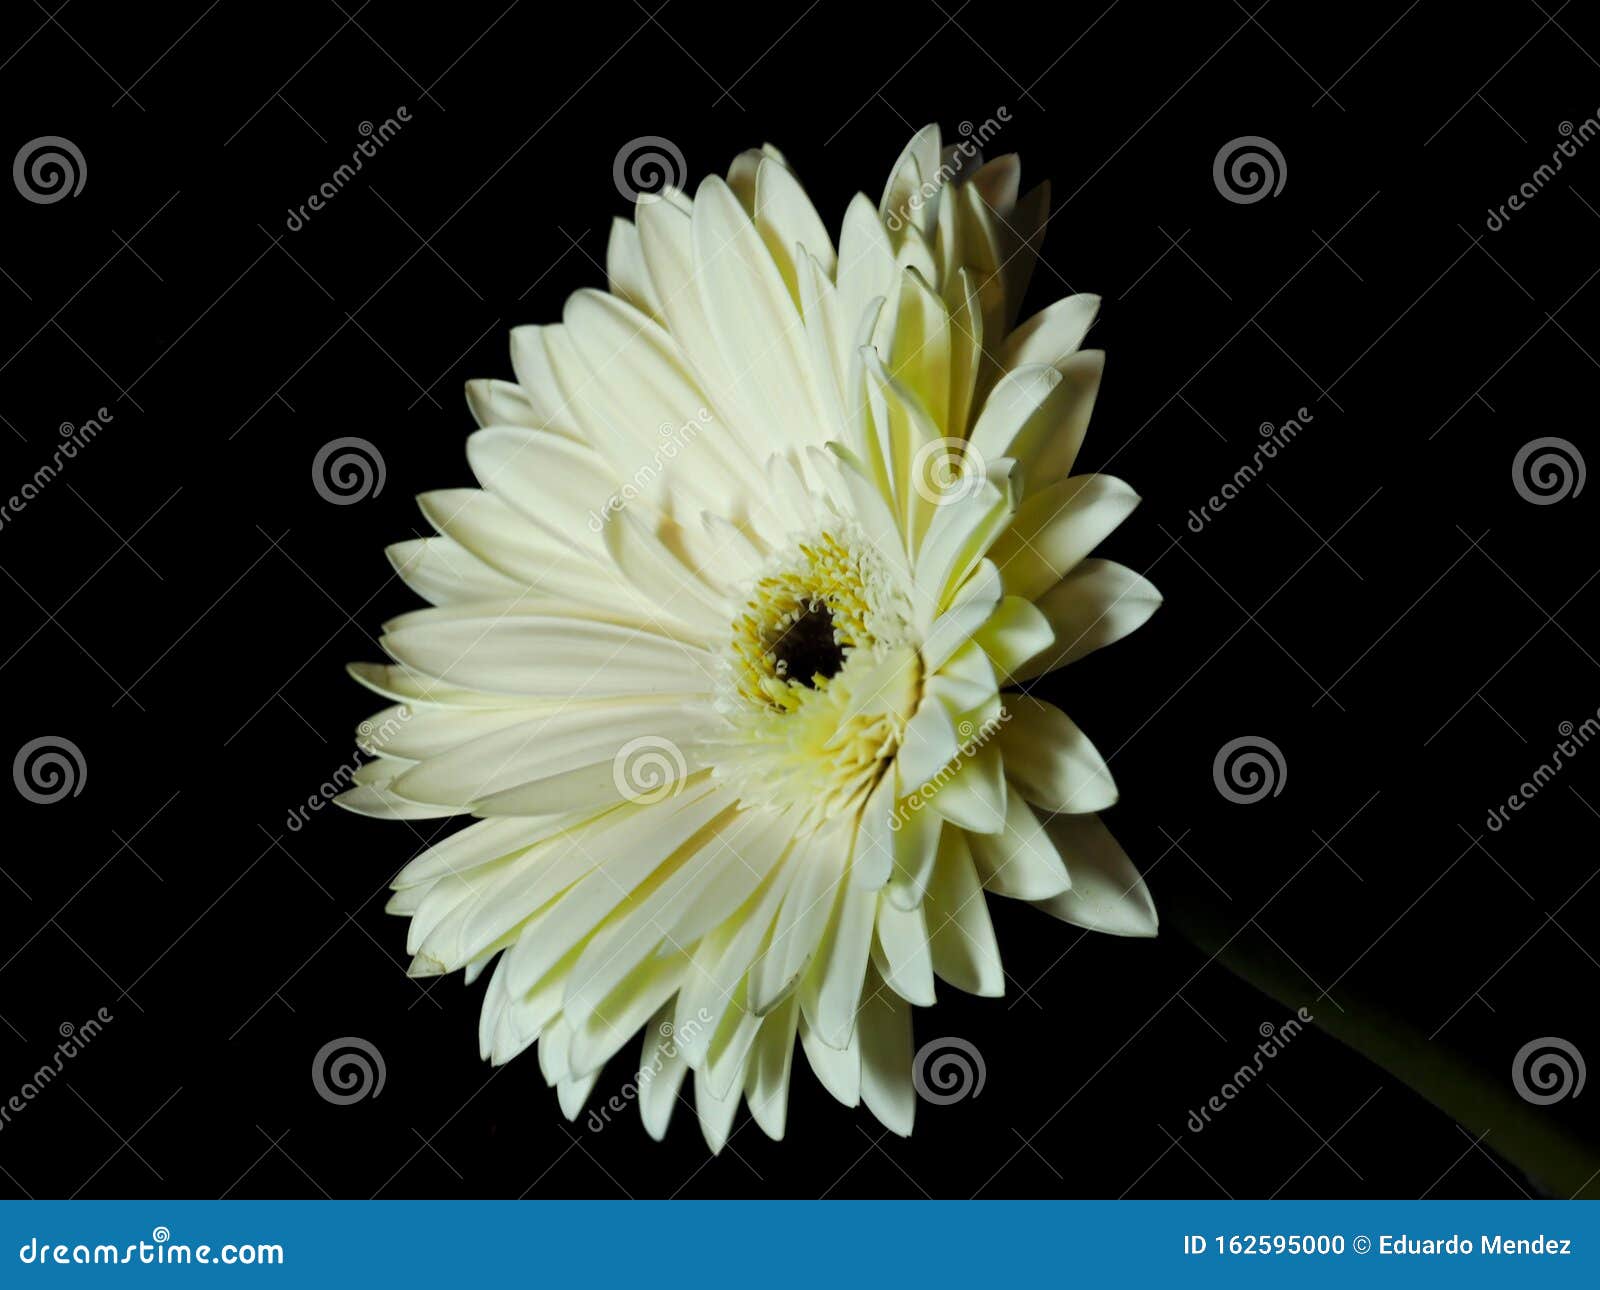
(719, 653)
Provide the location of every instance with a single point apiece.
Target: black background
(1382, 604)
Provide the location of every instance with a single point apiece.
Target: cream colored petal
(661, 1072)
(1107, 895)
(443, 572)
(500, 403)
(626, 272)
(1057, 527)
(831, 991)
(886, 1085)
(1051, 760)
(756, 324)
(1096, 604)
(1016, 632)
(766, 1081)
(600, 1034)
(807, 910)
(576, 658)
(636, 747)
(715, 1113)
(561, 486)
(961, 939)
(1020, 860)
(530, 359)
(910, 198)
(838, 1071)
(974, 796)
(787, 220)
(1053, 333)
(902, 953)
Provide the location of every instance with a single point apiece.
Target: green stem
(1483, 1103)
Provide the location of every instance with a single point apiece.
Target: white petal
(1057, 527)
(886, 1085)
(960, 936)
(974, 795)
(661, 1072)
(1051, 760)
(839, 1071)
(797, 934)
(902, 954)
(715, 1113)
(1107, 895)
(766, 1081)
(832, 990)
(500, 403)
(1015, 633)
(626, 272)
(445, 573)
(1052, 334)
(1097, 603)
(575, 658)
(1020, 861)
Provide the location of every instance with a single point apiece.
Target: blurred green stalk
(1484, 1103)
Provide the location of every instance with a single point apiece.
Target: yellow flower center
(822, 678)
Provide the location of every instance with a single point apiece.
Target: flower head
(725, 653)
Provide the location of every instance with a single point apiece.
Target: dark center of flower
(807, 649)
